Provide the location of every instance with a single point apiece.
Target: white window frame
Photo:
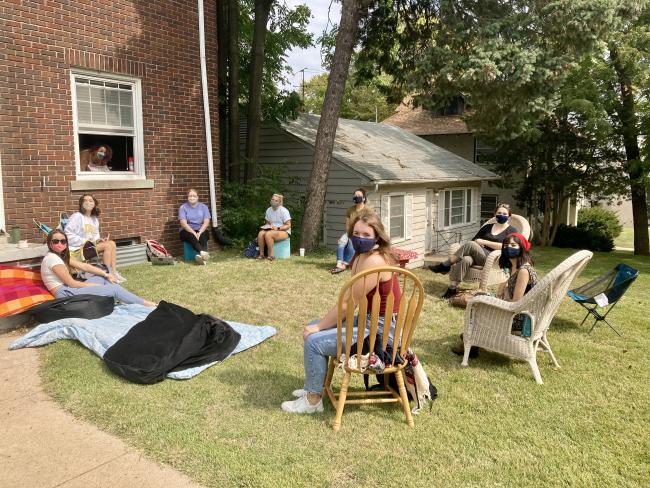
(473, 207)
(138, 172)
(408, 215)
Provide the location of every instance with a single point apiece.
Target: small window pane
(98, 113)
(112, 96)
(397, 216)
(113, 115)
(447, 207)
(83, 92)
(126, 87)
(97, 95)
(126, 98)
(126, 119)
(83, 112)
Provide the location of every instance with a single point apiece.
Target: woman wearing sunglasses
(55, 272)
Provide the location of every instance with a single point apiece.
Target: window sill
(111, 185)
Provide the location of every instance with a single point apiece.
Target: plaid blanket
(20, 289)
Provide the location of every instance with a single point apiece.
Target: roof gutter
(419, 182)
(206, 115)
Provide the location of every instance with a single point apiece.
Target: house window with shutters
(107, 113)
(457, 207)
(397, 215)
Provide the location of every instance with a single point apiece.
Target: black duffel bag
(78, 306)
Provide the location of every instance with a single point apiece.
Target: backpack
(78, 306)
(157, 254)
(251, 251)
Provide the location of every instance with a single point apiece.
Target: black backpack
(78, 306)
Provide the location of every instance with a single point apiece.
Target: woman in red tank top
(372, 247)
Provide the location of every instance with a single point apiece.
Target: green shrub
(600, 220)
(243, 207)
(582, 238)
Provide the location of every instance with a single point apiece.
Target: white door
(3, 225)
(428, 238)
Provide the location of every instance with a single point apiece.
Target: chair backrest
(544, 299)
(518, 222)
(410, 305)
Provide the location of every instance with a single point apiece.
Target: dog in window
(96, 158)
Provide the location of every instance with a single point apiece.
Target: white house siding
(279, 148)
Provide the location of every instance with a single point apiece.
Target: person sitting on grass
(372, 249)
(276, 228)
(474, 253)
(345, 251)
(55, 272)
(517, 262)
(85, 243)
(194, 218)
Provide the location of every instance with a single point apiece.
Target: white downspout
(206, 116)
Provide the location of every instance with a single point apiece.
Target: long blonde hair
(370, 218)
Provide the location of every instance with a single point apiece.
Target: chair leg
(536, 374)
(405, 399)
(468, 348)
(548, 349)
(341, 402)
(330, 373)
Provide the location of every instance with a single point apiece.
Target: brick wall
(155, 41)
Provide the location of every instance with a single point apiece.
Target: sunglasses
(59, 241)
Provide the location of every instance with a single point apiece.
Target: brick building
(125, 73)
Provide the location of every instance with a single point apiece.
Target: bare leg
(272, 236)
(260, 242)
(109, 254)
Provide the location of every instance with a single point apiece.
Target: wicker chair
(409, 310)
(490, 274)
(488, 320)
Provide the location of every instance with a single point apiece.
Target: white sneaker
(299, 393)
(302, 405)
(119, 277)
(205, 255)
(199, 259)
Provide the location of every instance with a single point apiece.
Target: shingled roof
(387, 154)
(422, 122)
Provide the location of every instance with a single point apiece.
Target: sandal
(260, 257)
(337, 270)
(271, 258)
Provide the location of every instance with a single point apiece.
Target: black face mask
(357, 199)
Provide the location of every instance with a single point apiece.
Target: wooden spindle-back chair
(412, 299)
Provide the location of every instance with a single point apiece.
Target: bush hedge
(597, 228)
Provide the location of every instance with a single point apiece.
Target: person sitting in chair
(517, 262)
(55, 272)
(83, 236)
(276, 228)
(372, 249)
(474, 253)
(194, 218)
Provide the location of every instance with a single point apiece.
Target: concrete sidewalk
(43, 446)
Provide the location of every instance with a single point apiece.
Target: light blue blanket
(100, 334)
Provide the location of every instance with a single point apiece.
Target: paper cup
(22, 244)
(302, 252)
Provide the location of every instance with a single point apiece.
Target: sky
(310, 58)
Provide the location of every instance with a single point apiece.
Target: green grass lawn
(626, 239)
(492, 425)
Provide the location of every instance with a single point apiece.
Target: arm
(74, 231)
(204, 226)
(286, 226)
(495, 246)
(89, 268)
(329, 320)
(523, 276)
(61, 272)
(186, 226)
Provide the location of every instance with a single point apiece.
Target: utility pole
(303, 83)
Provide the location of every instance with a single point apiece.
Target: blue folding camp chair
(604, 291)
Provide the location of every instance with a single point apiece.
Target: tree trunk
(634, 167)
(254, 116)
(222, 75)
(352, 11)
(233, 89)
(562, 201)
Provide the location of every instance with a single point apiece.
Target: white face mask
(88, 205)
(192, 200)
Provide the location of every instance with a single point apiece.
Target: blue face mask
(362, 244)
(502, 219)
(513, 252)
